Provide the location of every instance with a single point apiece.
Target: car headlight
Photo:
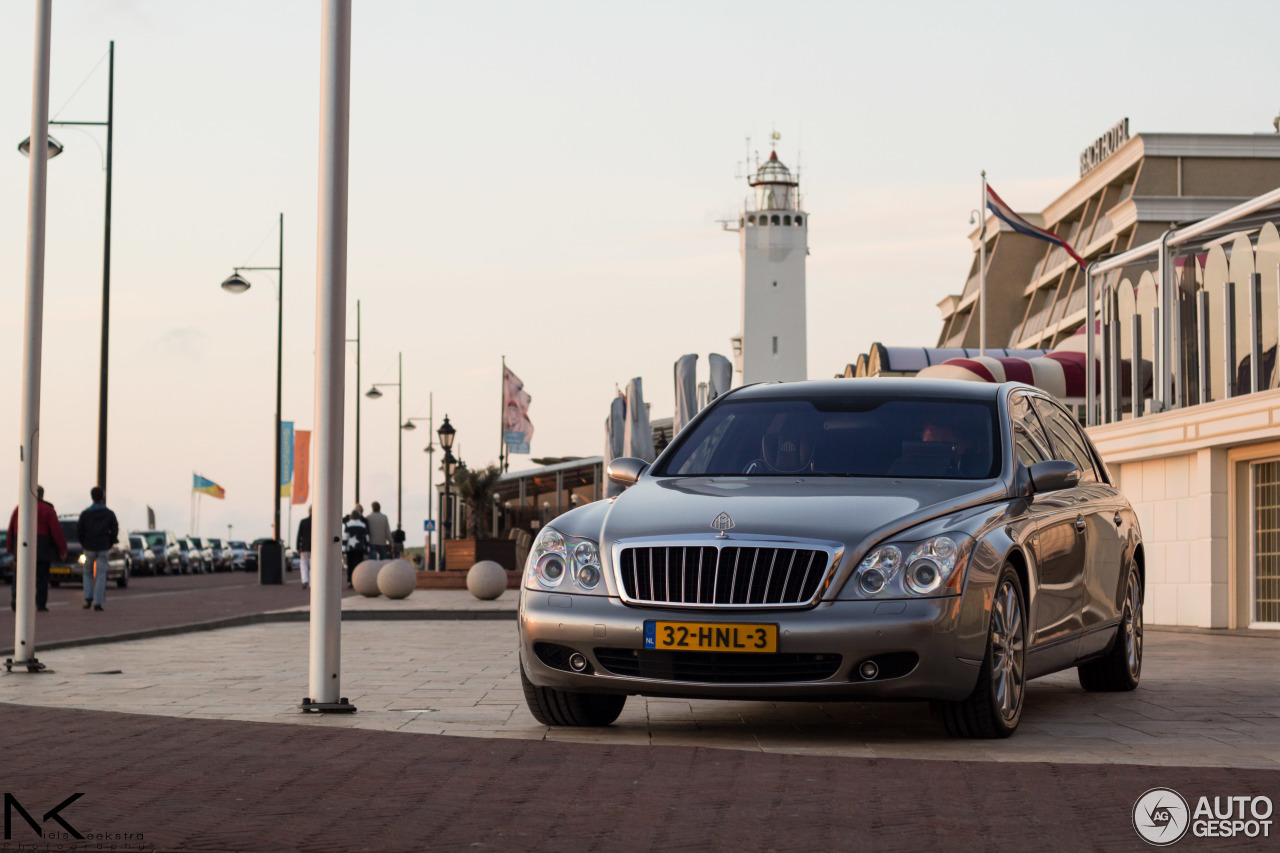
(934, 567)
(82, 558)
(556, 557)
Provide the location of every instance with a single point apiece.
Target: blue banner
(286, 458)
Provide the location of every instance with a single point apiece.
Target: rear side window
(1029, 438)
(1067, 442)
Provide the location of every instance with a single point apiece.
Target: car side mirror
(1052, 475)
(625, 470)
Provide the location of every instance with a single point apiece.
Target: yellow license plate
(59, 570)
(711, 636)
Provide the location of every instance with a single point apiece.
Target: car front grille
(729, 576)
(719, 667)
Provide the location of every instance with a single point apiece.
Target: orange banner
(301, 465)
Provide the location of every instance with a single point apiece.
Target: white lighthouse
(773, 239)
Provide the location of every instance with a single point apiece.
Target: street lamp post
(55, 148)
(236, 283)
(429, 450)
(373, 393)
(446, 434)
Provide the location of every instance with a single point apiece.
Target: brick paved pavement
(219, 785)
(151, 603)
(1205, 701)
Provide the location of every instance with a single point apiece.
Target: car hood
(855, 512)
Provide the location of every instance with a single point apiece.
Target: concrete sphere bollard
(486, 580)
(365, 578)
(397, 579)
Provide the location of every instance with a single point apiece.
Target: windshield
(135, 542)
(216, 543)
(154, 539)
(69, 531)
(853, 437)
(195, 542)
(236, 544)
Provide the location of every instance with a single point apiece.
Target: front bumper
(947, 666)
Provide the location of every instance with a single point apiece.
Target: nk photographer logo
(1161, 816)
(12, 805)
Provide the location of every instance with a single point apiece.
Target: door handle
(1117, 519)
(1080, 524)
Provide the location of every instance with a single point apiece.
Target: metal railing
(1180, 325)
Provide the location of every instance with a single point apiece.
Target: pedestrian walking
(98, 531)
(397, 549)
(379, 533)
(304, 549)
(355, 540)
(49, 541)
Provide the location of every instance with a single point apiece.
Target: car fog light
(923, 576)
(588, 576)
(550, 569)
(868, 669)
(872, 581)
(577, 662)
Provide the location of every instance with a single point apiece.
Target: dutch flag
(1005, 213)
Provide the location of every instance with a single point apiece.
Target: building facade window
(1265, 593)
(775, 219)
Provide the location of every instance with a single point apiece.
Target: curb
(280, 616)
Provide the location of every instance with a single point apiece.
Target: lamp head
(235, 283)
(409, 426)
(373, 393)
(55, 147)
(446, 433)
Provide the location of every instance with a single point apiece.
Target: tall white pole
(982, 271)
(24, 632)
(331, 336)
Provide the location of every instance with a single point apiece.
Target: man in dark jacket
(355, 540)
(49, 541)
(304, 548)
(98, 530)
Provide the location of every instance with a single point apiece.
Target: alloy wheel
(1133, 625)
(1007, 652)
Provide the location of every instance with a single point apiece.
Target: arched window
(752, 219)
(775, 219)
(799, 220)
(786, 220)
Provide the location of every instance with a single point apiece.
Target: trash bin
(271, 563)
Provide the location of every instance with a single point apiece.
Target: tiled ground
(1204, 700)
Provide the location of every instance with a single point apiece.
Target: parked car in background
(164, 545)
(239, 553)
(220, 554)
(292, 562)
(853, 539)
(6, 559)
(142, 560)
(206, 553)
(71, 570)
(197, 561)
(252, 561)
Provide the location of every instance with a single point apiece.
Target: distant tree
(476, 490)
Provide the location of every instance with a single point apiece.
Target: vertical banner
(151, 519)
(286, 458)
(517, 429)
(301, 465)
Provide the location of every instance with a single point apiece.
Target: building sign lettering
(1105, 145)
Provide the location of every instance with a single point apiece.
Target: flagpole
(982, 271)
(502, 420)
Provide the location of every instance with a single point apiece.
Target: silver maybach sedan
(849, 539)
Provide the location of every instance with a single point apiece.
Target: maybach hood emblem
(723, 523)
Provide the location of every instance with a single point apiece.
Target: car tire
(1120, 669)
(994, 708)
(553, 707)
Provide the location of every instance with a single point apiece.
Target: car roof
(836, 389)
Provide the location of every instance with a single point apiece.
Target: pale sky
(535, 180)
